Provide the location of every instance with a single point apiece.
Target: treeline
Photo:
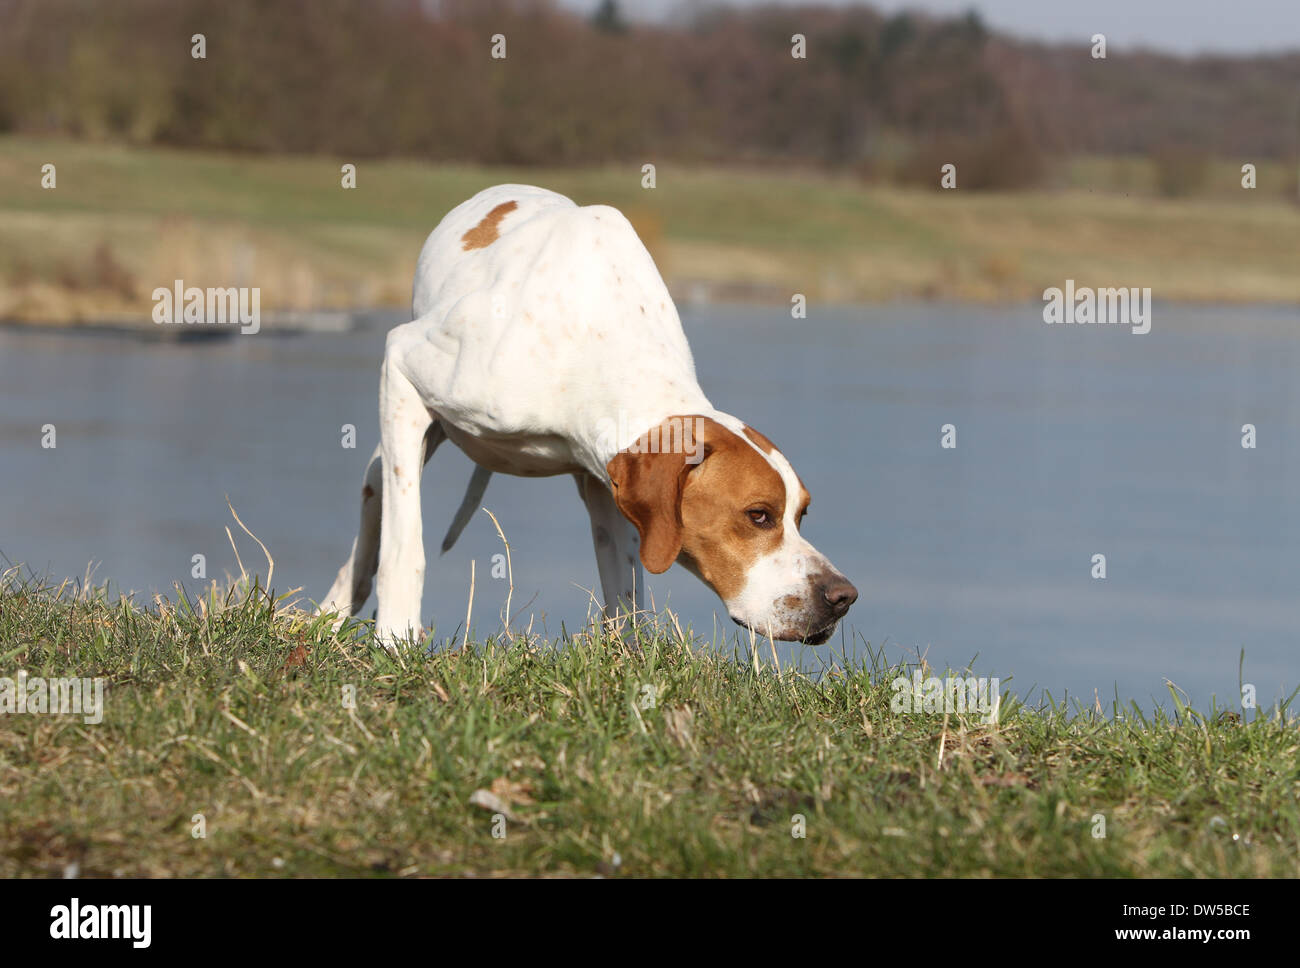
(883, 95)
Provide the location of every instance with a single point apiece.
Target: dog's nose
(839, 595)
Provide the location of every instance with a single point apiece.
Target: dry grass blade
(270, 562)
(510, 573)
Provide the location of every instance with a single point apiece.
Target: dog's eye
(760, 517)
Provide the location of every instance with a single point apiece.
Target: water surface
(1072, 441)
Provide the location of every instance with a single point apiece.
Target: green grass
(233, 708)
(123, 220)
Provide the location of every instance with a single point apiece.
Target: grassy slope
(235, 712)
(284, 224)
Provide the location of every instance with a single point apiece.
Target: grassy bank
(122, 221)
(602, 759)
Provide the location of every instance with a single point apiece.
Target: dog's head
(728, 506)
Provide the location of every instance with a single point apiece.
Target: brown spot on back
(485, 233)
(367, 492)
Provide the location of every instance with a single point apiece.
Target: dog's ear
(647, 488)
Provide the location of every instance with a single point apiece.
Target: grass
(123, 220)
(232, 708)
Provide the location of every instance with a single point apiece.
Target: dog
(545, 342)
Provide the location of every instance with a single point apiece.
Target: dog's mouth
(820, 637)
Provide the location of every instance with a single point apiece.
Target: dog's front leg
(403, 420)
(617, 549)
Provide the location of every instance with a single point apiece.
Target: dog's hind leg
(352, 586)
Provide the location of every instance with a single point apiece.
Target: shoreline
(339, 321)
(137, 218)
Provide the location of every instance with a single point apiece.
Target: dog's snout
(839, 594)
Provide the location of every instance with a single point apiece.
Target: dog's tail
(468, 505)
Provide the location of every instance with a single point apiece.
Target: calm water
(1072, 441)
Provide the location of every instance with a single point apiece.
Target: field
(230, 717)
(122, 221)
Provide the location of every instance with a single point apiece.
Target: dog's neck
(668, 431)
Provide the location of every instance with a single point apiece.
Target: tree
(609, 18)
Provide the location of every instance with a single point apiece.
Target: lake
(1072, 441)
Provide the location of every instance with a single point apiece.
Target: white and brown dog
(545, 342)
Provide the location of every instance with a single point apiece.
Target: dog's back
(519, 280)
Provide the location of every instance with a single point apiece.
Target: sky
(1174, 26)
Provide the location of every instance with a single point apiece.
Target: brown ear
(648, 490)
